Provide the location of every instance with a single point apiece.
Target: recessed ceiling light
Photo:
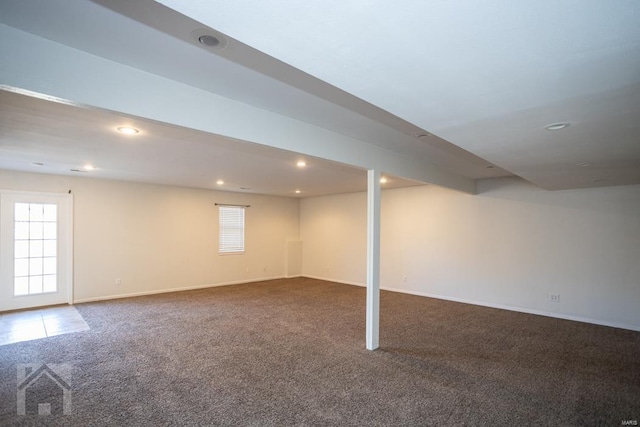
(599, 180)
(128, 131)
(220, 182)
(490, 167)
(76, 170)
(37, 164)
(298, 191)
(584, 164)
(556, 126)
(209, 38)
(383, 180)
(301, 163)
(423, 135)
(88, 167)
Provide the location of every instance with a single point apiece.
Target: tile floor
(40, 323)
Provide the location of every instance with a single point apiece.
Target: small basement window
(231, 229)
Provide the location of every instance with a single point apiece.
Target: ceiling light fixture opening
(584, 164)
(301, 163)
(557, 126)
(423, 135)
(490, 167)
(128, 130)
(209, 38)
(220, 182)
(298, 191)
(37, 164)
(383, 180)
(209, 41)
(88, 167)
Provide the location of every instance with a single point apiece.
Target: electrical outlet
(554, 297)
(118, 282)
(404, 278)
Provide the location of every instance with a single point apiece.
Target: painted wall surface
(333, 230)
(294, 258)
(510, 246)
(156, 238)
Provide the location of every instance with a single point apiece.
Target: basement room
(319, 214)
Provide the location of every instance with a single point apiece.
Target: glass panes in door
(35, 251)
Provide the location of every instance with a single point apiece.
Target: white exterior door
(35, 249)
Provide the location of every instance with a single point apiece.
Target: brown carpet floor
(291, 352)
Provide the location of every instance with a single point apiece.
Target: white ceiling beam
(40, 65)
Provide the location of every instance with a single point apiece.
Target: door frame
(66, 200)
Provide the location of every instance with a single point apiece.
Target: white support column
(373, 259)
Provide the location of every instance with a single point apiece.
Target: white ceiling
(484, 77)
(44, 136)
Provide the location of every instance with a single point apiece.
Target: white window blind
(231, 229)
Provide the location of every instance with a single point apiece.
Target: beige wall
(510, 246)
(156, 238)
(333, 230)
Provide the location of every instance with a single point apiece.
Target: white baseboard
(344, 282)
(520, 309)
(491, 305)
(164, 291)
